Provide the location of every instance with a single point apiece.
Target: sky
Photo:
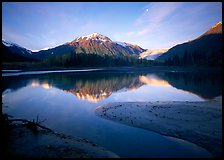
(151, 25)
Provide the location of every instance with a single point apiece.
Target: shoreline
(157, 69)
(27, 141)
(6, 74)
(196, 122)
(125, 68)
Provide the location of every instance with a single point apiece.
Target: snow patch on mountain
(35, 50)
(10, 44)
(122, 44)
(30, 52)
(152, 54)
(43, 49)
(6, 43)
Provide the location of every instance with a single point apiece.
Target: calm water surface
(68, 101)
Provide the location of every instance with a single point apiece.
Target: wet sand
(196, 122)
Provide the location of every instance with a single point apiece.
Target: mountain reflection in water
(206, 85)
(95, 86)
(154, 80)
(102, 87)
(45, 84)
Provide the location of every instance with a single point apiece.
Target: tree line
(193, 59)
(73, 59)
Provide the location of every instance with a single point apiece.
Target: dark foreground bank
(24, 139)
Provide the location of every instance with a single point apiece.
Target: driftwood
(31, 123)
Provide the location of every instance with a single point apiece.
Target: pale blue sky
(151, 25)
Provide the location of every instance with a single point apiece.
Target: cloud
(157, 12)
(164, 24)
(153, 18)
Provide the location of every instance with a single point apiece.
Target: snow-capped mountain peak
(99, 44)
(218, 23)
(93, 36)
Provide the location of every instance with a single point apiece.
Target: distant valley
(153, 53)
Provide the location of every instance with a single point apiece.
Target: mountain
(206, 50)
(93, 44)
(152, 54)
(14, 53)
(53, 52)
(98, 44)
(216, 29)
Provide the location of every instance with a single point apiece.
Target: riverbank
(197, 122)
(142, 70)
(27, 141)
(22, 68)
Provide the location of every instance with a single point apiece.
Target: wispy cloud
(157, 12)
(167, 23)
(153, 16)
